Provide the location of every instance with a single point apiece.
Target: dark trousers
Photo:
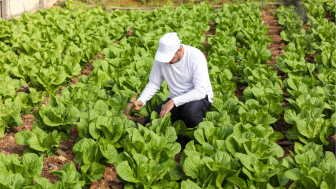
(191, 113)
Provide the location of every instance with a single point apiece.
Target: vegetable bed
(64, 123)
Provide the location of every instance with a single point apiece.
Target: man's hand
(166, 108)
(139, 103)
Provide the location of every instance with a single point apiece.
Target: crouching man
(186, 72)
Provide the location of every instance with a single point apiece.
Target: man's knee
(193, 113)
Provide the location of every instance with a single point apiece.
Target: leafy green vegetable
(310, 126)
(18, 173)
(40, 141)
(257, 142)
(314, 168)
(147, 160)
(9, 117)
(8, 87)
(89, 151)
(70, 178)
(56, 115)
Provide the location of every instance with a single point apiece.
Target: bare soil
(239, 92)
(276, 47)
(86, 71)
(109, 179)
(329, 18)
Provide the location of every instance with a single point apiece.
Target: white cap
(168, 46)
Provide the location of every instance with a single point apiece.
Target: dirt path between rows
(276, 48)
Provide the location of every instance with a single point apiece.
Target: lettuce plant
(49, 80)
(56, 115)
(147, 160)
(262, 75)
(68, 177)
(19, 172)
(266, 93)
(257, 142)
(326, 75)
(28, 101)
(289, 19)
(297, 87)
(225, 101)
(218, 118)
(321, 30)
(212, 137)
(293, 85)
(209, 171)
(256, 55)
(220, 81)
(254, 113)
(314, 10)
(314, 169)
(258, 174)
(296, 69)
(308, 102)
(40, 141)
(326, 58)
(8, 87)
(89, 151)
(310, 126)
(101, 121)
(9, 116)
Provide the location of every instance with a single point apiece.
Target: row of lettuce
(311, 108)
(233, 148)
(312, 86)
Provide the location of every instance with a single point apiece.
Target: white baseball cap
(168, 46)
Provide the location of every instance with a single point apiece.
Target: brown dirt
(88, 68)
(310, 58)
(208, 34)
(129, 32)
(27, 120)
(140, 120)
(24, 89)
(239, 92)
(8, 145)
(178, 157)
(85, 71)
(305, 27)
(276, 47)
(55, 163)
(109, 179)
(329, 18)
(49, 164)
(332, 143)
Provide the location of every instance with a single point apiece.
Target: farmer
(186, 72)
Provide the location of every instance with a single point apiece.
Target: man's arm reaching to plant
(154, 84)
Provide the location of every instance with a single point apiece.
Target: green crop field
(67, 74)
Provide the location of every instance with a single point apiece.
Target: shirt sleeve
(200, 81)
(155, 81)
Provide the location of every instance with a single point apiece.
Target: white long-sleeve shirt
(188, 80)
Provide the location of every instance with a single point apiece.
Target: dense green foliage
(312, 108)
(235, 145)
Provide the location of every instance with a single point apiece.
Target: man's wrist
(175, 101)
(143, 103)
(172, 101)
